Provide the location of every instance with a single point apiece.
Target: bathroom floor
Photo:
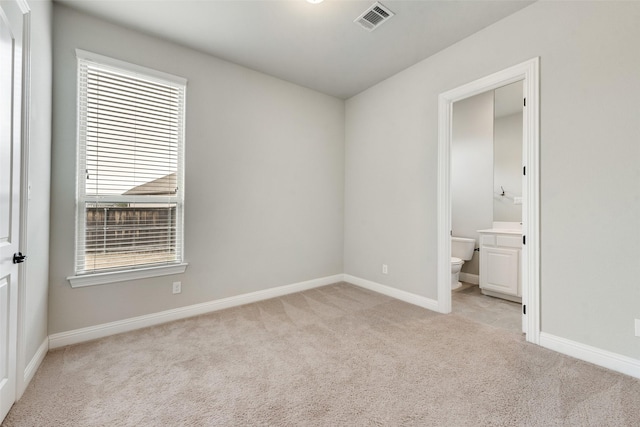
(468, 301)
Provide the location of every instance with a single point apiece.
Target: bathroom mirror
(507, 153)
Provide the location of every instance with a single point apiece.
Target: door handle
(18, 258)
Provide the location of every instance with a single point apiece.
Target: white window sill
(124, 275)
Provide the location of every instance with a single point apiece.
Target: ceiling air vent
(373, 17)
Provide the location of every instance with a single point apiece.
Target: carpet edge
(90, 333)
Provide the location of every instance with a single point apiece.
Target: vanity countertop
(501, 231)
(503, 227)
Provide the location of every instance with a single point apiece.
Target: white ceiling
(317, 46)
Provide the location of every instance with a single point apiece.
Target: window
(130, 167)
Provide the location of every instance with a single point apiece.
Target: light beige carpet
(337, 355)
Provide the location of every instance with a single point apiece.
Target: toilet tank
(462, 248)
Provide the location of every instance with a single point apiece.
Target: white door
(11, 19)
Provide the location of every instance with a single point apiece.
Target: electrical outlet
(385, 269)
(638, 327)
(177, 287)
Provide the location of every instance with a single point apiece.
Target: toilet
(461, 251)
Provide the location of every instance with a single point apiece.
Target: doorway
(528, 73)
(486, 210)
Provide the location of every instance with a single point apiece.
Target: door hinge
(524, 309)
(525, 102)
(524, 240)
(524, 170)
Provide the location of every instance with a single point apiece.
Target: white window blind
(130, 166)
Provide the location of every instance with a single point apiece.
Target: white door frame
(21, 381)
(528, 72)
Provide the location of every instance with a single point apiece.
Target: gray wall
(264, 179)
(590, 156)
(472, 170)
(37, 245)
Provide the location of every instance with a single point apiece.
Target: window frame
(124, 273)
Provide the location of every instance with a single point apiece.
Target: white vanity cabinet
(500, 258)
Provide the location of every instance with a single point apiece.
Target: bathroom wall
(472, 170)
(507, 167)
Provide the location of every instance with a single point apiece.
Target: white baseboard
(474, 279)
(99, 331)
(405, 296)
(32, 367)
(606, 359)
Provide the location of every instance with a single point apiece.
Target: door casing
(529, 73)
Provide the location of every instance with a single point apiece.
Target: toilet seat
(457, 261)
